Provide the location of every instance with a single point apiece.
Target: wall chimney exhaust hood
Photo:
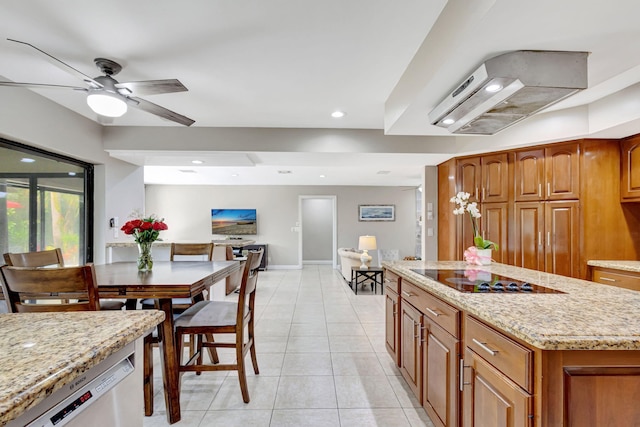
(508, 88)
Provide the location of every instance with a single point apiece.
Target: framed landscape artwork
(376, 213)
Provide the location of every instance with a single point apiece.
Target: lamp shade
(106, 104)
(367, 243)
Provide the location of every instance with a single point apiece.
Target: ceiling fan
(107, 97)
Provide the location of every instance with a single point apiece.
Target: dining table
(167, 280)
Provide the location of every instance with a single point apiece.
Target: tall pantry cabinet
(547, 189)
(556, 207)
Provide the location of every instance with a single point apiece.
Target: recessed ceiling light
(71, 173)
(197, 162)
(27, 160)
(234, 174)
(338, 114)
(283, 172)
(187, 170)
(448, 121)
(494, 87)
(322, 176)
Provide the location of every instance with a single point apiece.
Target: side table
(359, 277)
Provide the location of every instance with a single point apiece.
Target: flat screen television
(231, 222)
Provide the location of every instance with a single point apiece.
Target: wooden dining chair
(206, 318)
(33, 289)
(184, 251)
(48, 258)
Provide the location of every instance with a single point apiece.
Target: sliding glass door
(44, 201)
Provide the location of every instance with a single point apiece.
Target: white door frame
(334, 210)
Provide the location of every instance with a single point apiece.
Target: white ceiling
(290, 63)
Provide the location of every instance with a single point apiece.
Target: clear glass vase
(145, 260)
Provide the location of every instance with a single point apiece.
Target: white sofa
(350, 257)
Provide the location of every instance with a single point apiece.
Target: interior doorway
(318, 234)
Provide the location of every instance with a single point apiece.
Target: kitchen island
(43, 352)
(532, 359)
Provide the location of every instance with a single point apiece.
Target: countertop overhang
(587, 316)
(42, 352)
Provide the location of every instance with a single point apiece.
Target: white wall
(187, 211)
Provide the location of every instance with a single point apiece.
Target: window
(45, 203)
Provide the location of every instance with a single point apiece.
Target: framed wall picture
(376, 213)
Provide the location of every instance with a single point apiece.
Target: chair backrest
(205, 249)
(27, 289)
(248, 283)
(388, 255)
(35, 259)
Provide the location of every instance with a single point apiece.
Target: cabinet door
(470, 176)
(495, 224)
(529, 175)
(440, 375)
(491, 399)
(495, 178)
(562, 238)
(410, 348)
(529, 232)
(562, 172)
(630, 185)
(391, 323)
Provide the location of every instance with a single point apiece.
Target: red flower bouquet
(145, 231)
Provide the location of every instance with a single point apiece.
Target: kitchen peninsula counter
(632, 266)
(42, 352)
(587, 316)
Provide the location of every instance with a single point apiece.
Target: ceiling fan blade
(41, 86)
(153, 87)
(66, 67)
(152, 108)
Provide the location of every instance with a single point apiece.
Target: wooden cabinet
(497, 377)
(550, 173)
(440, 395)
(411, 347)
(495, 227)
(630, 169)
(614, 277)
(546, 237)
(495, 178)
(392, 314)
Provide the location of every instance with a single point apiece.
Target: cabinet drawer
(617, 278)
(506, 355)
(391, 281)
(443, 314)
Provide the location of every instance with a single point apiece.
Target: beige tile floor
(322, 361)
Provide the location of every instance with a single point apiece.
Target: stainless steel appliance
(108, 394)
(478, 281)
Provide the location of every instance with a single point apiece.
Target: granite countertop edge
(632, 266)
(24, 386)
(579, 319)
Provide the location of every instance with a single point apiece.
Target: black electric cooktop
(478, 281)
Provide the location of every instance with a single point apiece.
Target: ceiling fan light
(106, 104)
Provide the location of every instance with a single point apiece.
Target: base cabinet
(490, 398)
(411, 348)
(392, 339)
(440, 394)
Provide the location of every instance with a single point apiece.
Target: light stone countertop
(633, 266)
(66, 345)
(588, 316)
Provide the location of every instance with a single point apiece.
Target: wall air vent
(508, 88)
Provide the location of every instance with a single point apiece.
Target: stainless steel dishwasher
(107, 395)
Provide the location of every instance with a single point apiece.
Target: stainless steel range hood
(508, 88)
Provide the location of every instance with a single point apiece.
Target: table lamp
(366, 243)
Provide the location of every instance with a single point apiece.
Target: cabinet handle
(548, 189)
(483, 346)
(414, 328)
(548, 238)
(461, 385)
(483, 193)
(539, 238)
(435, 313)
(409, 294)
(539, 190)
(422, 336)
(607, 279)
